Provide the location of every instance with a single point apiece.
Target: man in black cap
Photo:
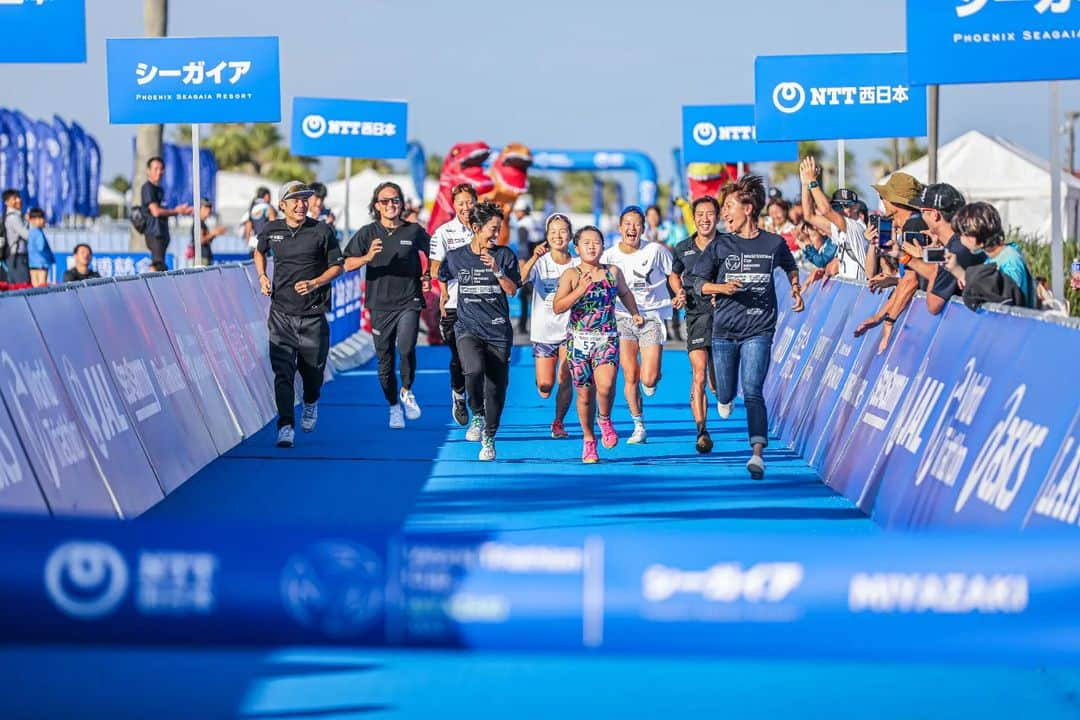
(939, 203)
(306, 260)
(838, 218)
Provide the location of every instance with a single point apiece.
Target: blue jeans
(747, 360)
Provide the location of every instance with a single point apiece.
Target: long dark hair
(375, 196)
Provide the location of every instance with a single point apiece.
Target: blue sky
(558, 73)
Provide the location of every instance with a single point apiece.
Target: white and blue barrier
(966, 420)
(115, 392)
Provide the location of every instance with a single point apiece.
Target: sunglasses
(389, 201)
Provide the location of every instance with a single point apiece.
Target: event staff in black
(306, 260)
(390, 249)
(486, 274)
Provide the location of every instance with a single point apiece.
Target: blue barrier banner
(107, 264)
(46, 420)
(105, 423)
(788, 324)
(874, 421)
(836, 97)
(726, 133)
(250, 360)
(835, 376)
(43, 32)
(1057, 504)
(152, 385)
(941, 598)
(324, 127)
(791, 410)
(212, 338)
(193, 80)
(224, 430)
(344, 315)
(19, 492)
(252, 315)
(972, 41)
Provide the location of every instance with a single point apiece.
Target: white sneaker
(756, 466)
(724, 409)
(639, 436)
(397, 419)
(487, 448)
(412, 410)
(649, 391)
(285, 436)
(309, 417)
(475, 433)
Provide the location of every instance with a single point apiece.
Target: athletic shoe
(588, 453)
(475, 433)
(285, 436)
(724, 409)
(461, 410)
(649, 391)
(397, 418)
(608, 436)
(487, 448)
(558, 432)
(704, 443)
(639, 436)
(309, 417)
(412, 410)
(756, 466)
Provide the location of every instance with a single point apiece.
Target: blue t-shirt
(483, 310)
(41, 255)
(1011, 263)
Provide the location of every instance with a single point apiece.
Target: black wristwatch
(812, 184)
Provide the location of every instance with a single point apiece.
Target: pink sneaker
(608, 436)
(588, 453)
(558, 432)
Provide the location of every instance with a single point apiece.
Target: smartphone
(885, 228)
(874, 220)
(934, 255)
(917, 238)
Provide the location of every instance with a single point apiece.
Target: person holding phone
(549, 260)
(486, 275)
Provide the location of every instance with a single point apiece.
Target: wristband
(498, 274)
(812, 184)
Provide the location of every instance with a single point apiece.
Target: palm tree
(781, 171)
(896, 155)
(148, 137)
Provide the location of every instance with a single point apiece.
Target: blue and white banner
(43, 31)
(193, 80)
(323, 127)
(726, 134)
(15, 152)
(50, 172)
(81, 165)
(93, 161)
(63, 134)
(30, 190)
(836, 97)
(974, 41)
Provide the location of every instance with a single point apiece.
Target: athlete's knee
(649, 378)
(631, 376)
(544, 388)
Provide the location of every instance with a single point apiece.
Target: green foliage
(120, 184)
(907, 151)
(1037, 257)
(434, 165)
(542, 188)
(254, 148)
(360, 164)
(576, 191)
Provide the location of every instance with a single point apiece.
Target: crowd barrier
(967, 419)
(887, 598)
(116, 391)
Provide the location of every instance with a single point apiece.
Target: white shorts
(653, 332)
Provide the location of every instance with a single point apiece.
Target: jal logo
(1002, 464)
(86, 580)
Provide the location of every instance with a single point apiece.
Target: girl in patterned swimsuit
(588, 291)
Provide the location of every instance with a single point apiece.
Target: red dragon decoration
(464, 163)
(510, 175)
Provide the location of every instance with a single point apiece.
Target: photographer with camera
(837, 218)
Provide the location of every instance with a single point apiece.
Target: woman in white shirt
(550, 259)
(648, 270)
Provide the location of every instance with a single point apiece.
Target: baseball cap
(900, 189)
(941, 197)
(293, 189)
(522, 204)
(844, 197)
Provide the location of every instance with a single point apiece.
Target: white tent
(360, 191)
(235, 191)
(1011, 178)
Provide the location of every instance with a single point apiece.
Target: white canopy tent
(1011, 178)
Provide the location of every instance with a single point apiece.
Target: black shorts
(699, 332)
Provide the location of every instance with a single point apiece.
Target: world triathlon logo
(335, 588)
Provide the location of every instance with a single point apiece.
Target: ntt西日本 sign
(322, 127)
(43, 31)
(726, 133)
(836, 97)
(193, 80)
(974, 41)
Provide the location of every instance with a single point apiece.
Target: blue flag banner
(726, 134)
(177, 174)
(208, 170)
(417, 167)
(193, 80)
(974, 41)
(6, 162)
(81, 165)
(45, 418)
(322, 127)
(50, 173)
(29, 132)
(94, 165)
(63, 134)
(16, 150)
(43, 32)
(836, 97)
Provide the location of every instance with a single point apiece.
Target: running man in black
(306, 260)
(486, 275)
(390, 249)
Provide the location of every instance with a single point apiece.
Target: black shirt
(207, 251)
(393, 277)
(483, 310)
(303, 253)
(946, 284)
(157, 227)
(73, 275)
(686, 254)
(752, 310)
